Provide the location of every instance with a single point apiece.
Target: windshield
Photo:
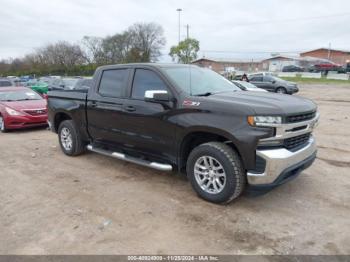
(19, 95)
(199, 81)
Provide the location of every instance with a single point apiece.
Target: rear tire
(70, 139)
(216, 173)
(2, 125)
(281, 90)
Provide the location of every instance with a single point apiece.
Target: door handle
(129, 108)
(93, 104)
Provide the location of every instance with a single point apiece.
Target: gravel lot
(92, 204)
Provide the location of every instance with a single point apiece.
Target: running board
(154, 165)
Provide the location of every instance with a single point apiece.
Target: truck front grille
(296, 142)
(300, 117)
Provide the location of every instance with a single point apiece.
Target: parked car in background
(46, 79)
(21, 107)
(40, 87)
(6, 82)
(63, 84)
(77, 83)
(326, 67)
(347, 67)
(83, 84)
(246, 86)
(26, 78)
(273, 84)
(292, 68)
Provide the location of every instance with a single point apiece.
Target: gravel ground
(92, 204)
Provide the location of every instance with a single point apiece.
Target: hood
(256, 89)
(266, 103)
(24, 105)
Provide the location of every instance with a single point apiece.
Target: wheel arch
(196, 137)
(59, 118)
(278, 87)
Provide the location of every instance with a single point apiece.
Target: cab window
(113, 82)
(145, 80)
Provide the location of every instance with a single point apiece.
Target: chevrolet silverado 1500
(192, 120)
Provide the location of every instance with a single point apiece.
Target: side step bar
(155, 165)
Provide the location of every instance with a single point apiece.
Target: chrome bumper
(279, 160)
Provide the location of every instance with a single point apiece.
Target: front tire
(216, 173)
(281, 90)
(70, 139)
(2, 125)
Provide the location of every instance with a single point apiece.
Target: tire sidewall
(3, 127)
(281, 88)
(230, 170)
(68, 124)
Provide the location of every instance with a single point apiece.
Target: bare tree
(116, 48)
(61, 54)
(141, 42)
(147, 41)
(93, 49)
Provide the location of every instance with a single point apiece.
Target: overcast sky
(239, 28)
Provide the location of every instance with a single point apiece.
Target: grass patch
(322, 80)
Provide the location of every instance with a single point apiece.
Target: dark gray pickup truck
(189, 119)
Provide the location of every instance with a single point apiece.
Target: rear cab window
(113, 82)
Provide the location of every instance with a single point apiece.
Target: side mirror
(157, 96)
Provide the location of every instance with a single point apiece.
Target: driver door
(148, 125)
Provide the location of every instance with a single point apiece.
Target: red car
(21, 107)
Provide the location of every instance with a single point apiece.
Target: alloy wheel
(66, 139)
(210, 174)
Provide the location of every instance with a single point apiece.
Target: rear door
(105, 107)
(269, 83)
(257, 80)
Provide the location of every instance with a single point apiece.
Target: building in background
(277, 63)
(339, 57)
(223, 65)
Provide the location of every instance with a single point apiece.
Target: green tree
(186, 51)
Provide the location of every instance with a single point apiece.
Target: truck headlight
(13, 112)
(264, 120)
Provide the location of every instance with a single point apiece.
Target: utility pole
(329, 51)
(188, 31)
(179, 11)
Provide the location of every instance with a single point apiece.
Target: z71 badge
(190, 103)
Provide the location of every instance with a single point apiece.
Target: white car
(246, 86)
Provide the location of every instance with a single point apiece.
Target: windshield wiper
(205, 94)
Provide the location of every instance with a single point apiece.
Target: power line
(291, 19)
(248, 52)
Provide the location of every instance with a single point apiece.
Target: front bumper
(293, 90)
(281, 165)
(19, 122)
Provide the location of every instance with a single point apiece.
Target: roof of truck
(157, 65)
